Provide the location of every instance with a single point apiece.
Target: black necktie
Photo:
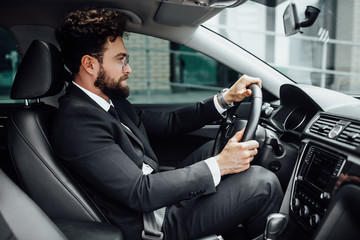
(113, 112)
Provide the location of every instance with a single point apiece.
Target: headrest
(40, 74)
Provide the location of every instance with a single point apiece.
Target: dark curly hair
(86, 32)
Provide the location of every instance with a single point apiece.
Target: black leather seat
(20, 217)
(41, 74)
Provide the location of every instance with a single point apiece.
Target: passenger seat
(21, 218)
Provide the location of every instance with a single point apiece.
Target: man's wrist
(219, 108)
(222, 101)
(214, 169)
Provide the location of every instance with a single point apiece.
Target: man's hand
(236, 156)
(239, 91)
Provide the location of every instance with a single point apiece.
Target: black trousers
(245, 198)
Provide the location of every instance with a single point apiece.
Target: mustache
(124, 77)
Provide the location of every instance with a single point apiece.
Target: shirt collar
(99, 100)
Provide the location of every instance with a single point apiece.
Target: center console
(315, 179)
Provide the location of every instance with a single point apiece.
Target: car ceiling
(28, 20)
(151, 17)
(51, 12)
(149, 12)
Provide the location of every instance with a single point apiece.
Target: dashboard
(322, 197)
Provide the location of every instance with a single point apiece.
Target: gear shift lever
(275, 225)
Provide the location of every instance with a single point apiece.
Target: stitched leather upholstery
(41, 74)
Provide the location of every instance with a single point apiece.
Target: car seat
(20, 217)
(41, 74)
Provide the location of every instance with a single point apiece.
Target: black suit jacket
(106, 158)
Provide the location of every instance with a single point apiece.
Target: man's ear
(90, 64)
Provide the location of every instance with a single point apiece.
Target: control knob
(325, 195)
(304, 211)
(314, 220)
(296, 204)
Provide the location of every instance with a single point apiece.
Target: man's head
(92, 47)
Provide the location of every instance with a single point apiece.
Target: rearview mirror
(291, 19)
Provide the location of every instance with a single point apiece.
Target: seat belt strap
(152, 231)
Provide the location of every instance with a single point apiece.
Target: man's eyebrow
(120, 55)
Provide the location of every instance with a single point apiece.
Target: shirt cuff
(214, 169)
(218, 107)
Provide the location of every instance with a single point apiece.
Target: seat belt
(152, 228)
(152, 231)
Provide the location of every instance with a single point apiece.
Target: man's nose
(127, 69)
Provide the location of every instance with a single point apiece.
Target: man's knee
(254, 182)
(265, 181)
(265, 197)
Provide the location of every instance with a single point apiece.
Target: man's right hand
(236, 156)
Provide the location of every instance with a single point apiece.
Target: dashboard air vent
(323, 125)
(343, 131)
(351, 135)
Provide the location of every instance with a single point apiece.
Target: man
(104, 142)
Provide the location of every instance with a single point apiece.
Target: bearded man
(103, 141)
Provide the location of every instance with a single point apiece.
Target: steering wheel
(230, 125)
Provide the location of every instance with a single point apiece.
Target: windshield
(327, 54)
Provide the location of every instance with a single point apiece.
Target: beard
(110, 87)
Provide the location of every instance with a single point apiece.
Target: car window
(164, 72)
(9, 61)
(325, 55)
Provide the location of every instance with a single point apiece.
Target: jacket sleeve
(110, 172)
(187, 119)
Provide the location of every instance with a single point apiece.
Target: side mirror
(291, 19)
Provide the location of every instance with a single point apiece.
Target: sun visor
(180, 15)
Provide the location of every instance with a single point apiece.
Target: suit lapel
(124, 118)
(134, 133)
(74, 90)
(129, 117)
